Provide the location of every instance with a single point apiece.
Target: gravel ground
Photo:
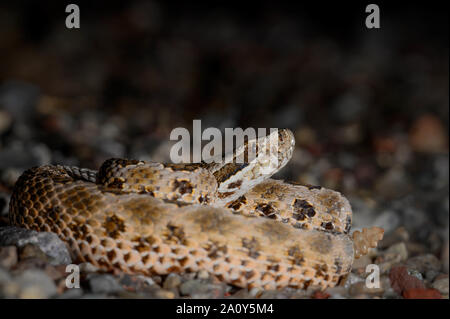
(369, 112)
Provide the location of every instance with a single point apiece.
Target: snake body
(230, 219)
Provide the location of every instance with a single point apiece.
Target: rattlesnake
(229, 219)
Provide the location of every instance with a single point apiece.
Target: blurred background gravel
(369, 108)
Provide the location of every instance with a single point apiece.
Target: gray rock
(424, 263)
(49, 243)
(431, 274)
(104, 284)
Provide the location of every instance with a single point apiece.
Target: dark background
(369, 108)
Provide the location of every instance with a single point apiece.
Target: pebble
(104, 284)
(30, 263)
(241, 294)
(391, 238)
(399, 250)
(338, 292)
(49, 243)
(135, 282)
(191, 286)
(8, 256)
(361, 288)
(172, 281)
(392, 256)
(428, 135)
(431, 274)
(402, 280)
(203, 274)
(88, 267)
(157, 279)
(421, 293)
(147, 280)
(320, 295)
(425, 262)
(360, 263)
(32, 251)
(255, 292)
(165, 294)
(352, 279)
(159, 293)
(35, 284)
(198, 287)
(441, 285)
(5, 121)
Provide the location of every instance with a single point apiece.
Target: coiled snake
(229, 219)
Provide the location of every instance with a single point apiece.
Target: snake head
(263, 157)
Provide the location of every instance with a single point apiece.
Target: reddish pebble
(320, 295)
(429, 135)
(401, 280)
(421, 293)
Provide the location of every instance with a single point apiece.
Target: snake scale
(229, 219)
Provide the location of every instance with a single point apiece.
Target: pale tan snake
(229, 219)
